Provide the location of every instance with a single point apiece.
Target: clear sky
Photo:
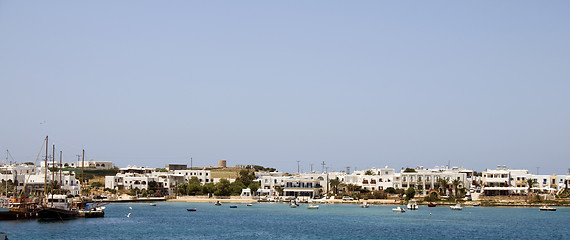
(352, 83)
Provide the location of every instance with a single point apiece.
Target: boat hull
(13, 215)
(50, 214)
(91, 214)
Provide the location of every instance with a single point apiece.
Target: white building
(143, 178)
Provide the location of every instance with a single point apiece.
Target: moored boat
(412, 205)
(218, 203)
(312, 206)
(191, 209)
(57, 207)
(432, 204)
(90, 209)
(456, 207)
(546, 208)
(398, 209)
(19, 208)
(364, 205)
(233, 206)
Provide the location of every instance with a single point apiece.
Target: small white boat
(456, 207)
(218, 203)
(398, 209)
(412, 205)
(293, 204)
(311, 206)
(152, 204)
(249, 204)
(476, 204)
(364, 205)
(546, 208)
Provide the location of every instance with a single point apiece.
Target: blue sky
(361, 84)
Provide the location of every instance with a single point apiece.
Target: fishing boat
(546, 208)
(456, 207)
(364, 205)
(152, 204)
(398, 209)
(249, 204)
(233, 206)
(412, 205)
(191, 209)
(19, 208)
(57, 207)
(312, 206)
(432, 204)
(90, 209)
(218, 203)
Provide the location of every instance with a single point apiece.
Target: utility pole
(190, 163)
(298, 168)
(323, 164)
(311, 167)
(537, 170)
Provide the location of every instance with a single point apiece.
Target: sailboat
(19, 206)
(57, 206)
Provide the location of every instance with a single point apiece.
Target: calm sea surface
(267, 221)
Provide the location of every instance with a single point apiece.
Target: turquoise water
(267, 221)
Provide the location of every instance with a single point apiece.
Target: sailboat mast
(6, 180)
(45, 175)
(60, 172)
(52, 173)
(82, 163)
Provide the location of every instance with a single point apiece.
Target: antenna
(347, 169)
(323, 164)
(298, 166)
(537, 170)
(311, 167)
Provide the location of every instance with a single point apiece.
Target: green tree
(409, 170)
(208, 188)
(390, 190)
(369, 172)
(223, 188)
(410, 193)
(236, 187)
(181, 189)
(194, 186)
(334, 183)
(254, 186)
(245, 177)
(443, 183)
(456, 183)
(530, 183)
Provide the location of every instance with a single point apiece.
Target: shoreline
(484, 203)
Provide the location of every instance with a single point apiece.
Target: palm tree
(456, 183)
(334, 185)
(530, 182)
(443, 183)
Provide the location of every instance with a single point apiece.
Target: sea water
(170, 220)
